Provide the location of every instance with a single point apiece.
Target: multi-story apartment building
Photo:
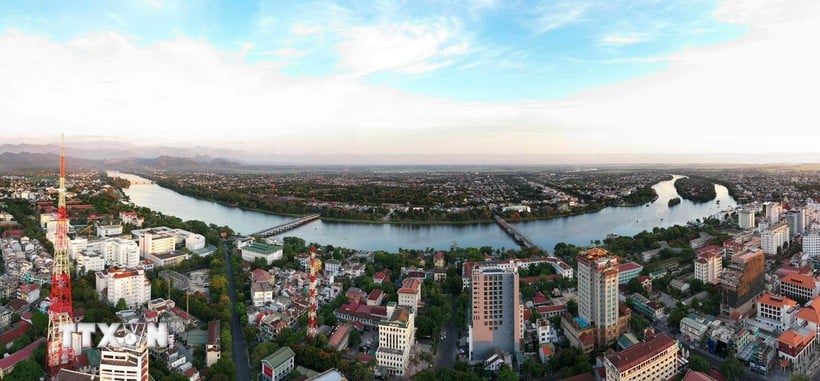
(799, 286)
(261, 293)
(127, 362)
(811, 244)
(156, 243)
(708, 267)
(120, 252)
(90, 261)
(278, 365)
(656, 359)
(598, 293)
(108, 230)
(776, 311)
(397, 334)
(628, 271)
(410, 293)
(746, 218)
(773, 211)
(797, 345)
(774, 237)
(130, 285)
(794, 220)
(497, 313)
(266, 251)
(742, 282)
(333, 266)
(213, 348)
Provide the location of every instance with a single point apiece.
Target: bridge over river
(279, 229)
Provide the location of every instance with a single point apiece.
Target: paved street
(447, 349)
(239, 346)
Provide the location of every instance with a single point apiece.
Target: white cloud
(305, 30)
(403, 48)
(751, 95)
(623, 40)
(186, 91)
(288, 53)
(554, 15)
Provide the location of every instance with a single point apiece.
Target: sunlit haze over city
(479, 81)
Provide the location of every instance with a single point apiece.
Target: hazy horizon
(468, 82)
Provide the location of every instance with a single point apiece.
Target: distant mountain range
(39, 160)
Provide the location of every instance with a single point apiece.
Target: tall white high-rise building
(397, 335)
(746, 218)
(127, 362)
(708, 268)
(774, 238)
(129, 284)
(118, 252)
(497, 313)
(773, 210)
(598, 293)
(811, 244)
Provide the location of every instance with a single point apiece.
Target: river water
(579, 230)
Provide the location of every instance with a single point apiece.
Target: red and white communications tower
(313, 327)
(61, 310)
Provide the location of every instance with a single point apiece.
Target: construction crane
(61, 311)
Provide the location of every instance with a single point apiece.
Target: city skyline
(474, 82)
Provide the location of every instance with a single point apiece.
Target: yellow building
(656, 359)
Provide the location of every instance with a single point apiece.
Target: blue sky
(469, 73)
(470, 50)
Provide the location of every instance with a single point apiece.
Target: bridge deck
(287, 226)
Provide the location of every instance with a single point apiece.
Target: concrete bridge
(517, 236)
(279, 229)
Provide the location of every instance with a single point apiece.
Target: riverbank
(643, 199)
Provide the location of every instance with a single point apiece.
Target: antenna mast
(61, 311)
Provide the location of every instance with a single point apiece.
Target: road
(447, 349)
(239, 346)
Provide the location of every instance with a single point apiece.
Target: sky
(419, 81)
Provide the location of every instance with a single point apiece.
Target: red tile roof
(213, 331)
(693, 375)
(338, 335)
(811, 313)
(628, 266)
(639, 353)
(12, 359)
(778, 301)
(798, 280)
(581, 377)
(14, 334)
(375, 294)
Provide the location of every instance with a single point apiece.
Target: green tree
(732, 368)
(638, 324)
(320, 341)
(572, 307)
(696, 286)
(532, 370)
(25, 371)
(635, 286)
(39, 322)
(506, 374)
(699, 364)
(355, 338)
(121, 305)
(261, 351)
(222, 370)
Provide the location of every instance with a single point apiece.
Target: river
(579, 230)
